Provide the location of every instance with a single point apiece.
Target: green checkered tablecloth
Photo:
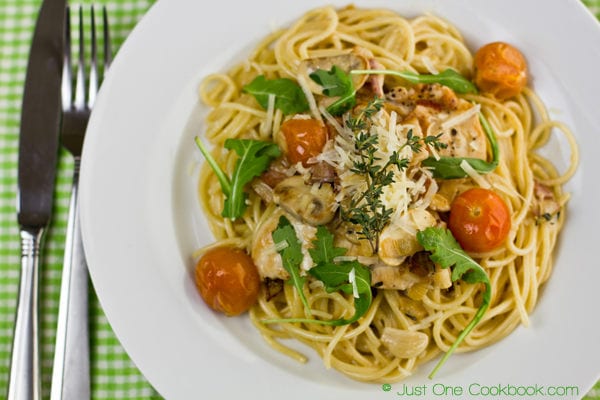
(114, 375)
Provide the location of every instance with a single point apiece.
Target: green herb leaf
(449, 167)
(448, 77)
(289, 97)
(324, 250)
(291, 255)
(336, 277)
(446, 252)
(336, 83)
(254, 158)
(221, 175)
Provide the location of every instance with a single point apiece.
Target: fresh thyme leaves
(350, 277)
(289, 97)
(366, 210)
(336, 83)
(450, 167)
(360, 121)
(448, 77)
(254, 158)
(446, 251)
(291, 255)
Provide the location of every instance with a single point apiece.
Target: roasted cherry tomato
(500, 69)
(305, 139)
(479, 220)
(227, 280)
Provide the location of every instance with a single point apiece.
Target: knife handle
(25, 380)
(71, 369)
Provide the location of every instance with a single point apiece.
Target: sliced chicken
(437, 110)
(264, 252)
(398, 240)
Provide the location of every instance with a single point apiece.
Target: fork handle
(71, 368)
(25, 382)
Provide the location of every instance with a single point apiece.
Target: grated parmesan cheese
(352, 280)
(312, 103)
(429, 65)
(476, 176)
(460, 118)
(267, 128)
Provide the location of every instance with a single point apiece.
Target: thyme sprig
(366, 209)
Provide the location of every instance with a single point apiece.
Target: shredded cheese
(312, 103)
(352, 280)
(460, 118)
(267, 128)
(429, 65)
(476, 176)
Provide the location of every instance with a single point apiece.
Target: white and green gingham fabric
(114, 376)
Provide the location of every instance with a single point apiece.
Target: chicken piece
(263, 251)
(437, 110)
(393, 277)
(431, 95)
(398, 240)
(313, 204)
(465, 138)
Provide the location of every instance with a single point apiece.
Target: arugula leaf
(448, 77)
(336, 277)
(336, 83)
(449, 167)
(446, 252)
(323, 250)
(254, 158)
(289, 97)
(291, 255)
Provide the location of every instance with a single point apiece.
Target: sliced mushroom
(313, 204)
(398, 240)
(403, 343)
(346, 60)
(356, 246)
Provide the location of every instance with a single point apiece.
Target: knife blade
(38, 153)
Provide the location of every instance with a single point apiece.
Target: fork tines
(77, 103)
(80, 99)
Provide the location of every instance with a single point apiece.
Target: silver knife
(38, 153)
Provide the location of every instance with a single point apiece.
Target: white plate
(141, 220)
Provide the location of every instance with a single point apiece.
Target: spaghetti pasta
(430, 309)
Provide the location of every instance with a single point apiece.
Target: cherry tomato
(227, 280)
(479, 220)
(500, 69)
(305, 139)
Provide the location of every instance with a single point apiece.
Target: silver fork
(71, 368)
